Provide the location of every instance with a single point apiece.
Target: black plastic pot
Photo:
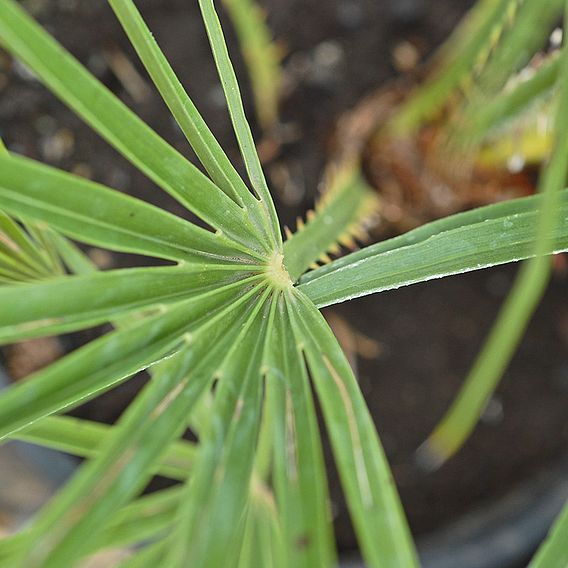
(503, 534)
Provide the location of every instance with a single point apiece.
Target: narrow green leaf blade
(148, 517)
(64, 527)
(76, 261)
(186, 114)
(17, 270)
(78, 513)
(210, 524)
(262, 541)
(85, 438)
(488, 236)
(553, 553)
(103, 217)
(298, 469)
(493, 114)
(262, 56)
(106, 114)
(366, 478)
(15, 238)
(470, 45)
(532, 24)
(240, 124)
(105, 362)
(70, 303)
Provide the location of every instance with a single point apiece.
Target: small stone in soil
(493, 412)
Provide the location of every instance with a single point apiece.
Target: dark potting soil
(411, 347)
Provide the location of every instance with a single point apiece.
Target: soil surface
(411, 347)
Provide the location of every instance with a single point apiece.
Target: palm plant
(230, 331)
